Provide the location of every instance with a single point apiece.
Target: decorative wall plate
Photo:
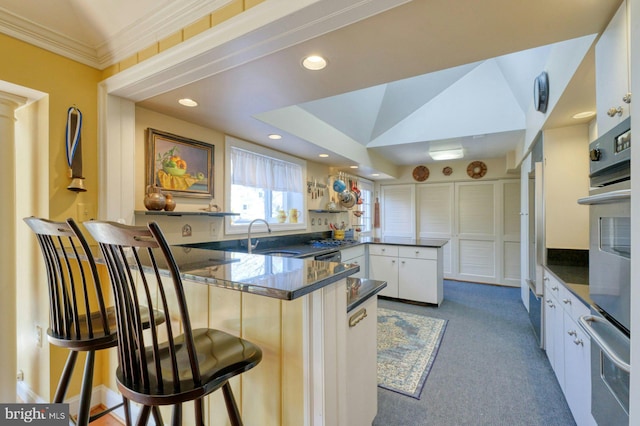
(421, 173)
(447, 171)
(476, 169)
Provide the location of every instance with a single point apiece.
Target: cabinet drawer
(418, 252)
(352, 252)
(572, 304)
(383, 250)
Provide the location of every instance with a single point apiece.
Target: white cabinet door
(577, 371)
(435, 217)
(476, 231)
(362, 378)
(511, 233)
(398, 211)
(385, 268)
(416, 280)
(612, 71)
(554, 327)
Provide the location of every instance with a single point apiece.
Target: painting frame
(180, 166)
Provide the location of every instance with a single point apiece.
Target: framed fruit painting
(180, 166)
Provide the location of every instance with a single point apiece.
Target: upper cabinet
(613, 95)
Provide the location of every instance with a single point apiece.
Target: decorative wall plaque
(476, 169)
(421, 173)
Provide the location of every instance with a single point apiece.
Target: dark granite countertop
(400, 241)
(360, 290)
(571, 267)
(284, 278)
(575, 278)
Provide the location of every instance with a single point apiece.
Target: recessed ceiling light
(323, 155)
(375, 174)
(353, 167)
(188, 102)
(314, 62)
(584, 114)
(275, 137)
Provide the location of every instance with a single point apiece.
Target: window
(264, 184)
(365, 221)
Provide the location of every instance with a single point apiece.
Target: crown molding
(37, 35)
(132, 39)
(153, 28)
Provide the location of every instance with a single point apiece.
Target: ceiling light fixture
(375, 174)
(323, 155)
(188, 102)
(275, 137)
(584, 114)
(447, 154)
(353, 167)
(314, 62)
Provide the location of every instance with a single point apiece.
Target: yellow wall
(566, 178)
(67, 83)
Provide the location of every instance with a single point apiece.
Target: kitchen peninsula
(296, 310)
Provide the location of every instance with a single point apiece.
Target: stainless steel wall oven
(609, 324)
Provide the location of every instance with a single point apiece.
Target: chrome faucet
(252, 246)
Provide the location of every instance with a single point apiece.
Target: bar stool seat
(182, 367)
(74, 290)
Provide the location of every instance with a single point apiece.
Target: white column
(8, 360)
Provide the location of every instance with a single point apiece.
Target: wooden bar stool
(185, 367)
(74, 291)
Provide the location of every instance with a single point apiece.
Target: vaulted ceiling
(403, 76)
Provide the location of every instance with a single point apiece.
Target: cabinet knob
(578, 342)
(627, 98)
(554, 288)
(595, 154)
(566, 301)
(572, 333)
(403, 262)
(393, 261)
(417, 251)
(613, 111)
(545, 279)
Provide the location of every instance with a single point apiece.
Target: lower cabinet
(362, 373)
(355, 255)
(568, 348)
(411, 272)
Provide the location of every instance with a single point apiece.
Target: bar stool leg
(232, 407)
(67, 371)
(177, 415)
(85, 392)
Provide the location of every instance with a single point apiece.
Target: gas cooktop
(330, 242)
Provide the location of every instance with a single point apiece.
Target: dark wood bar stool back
(181, 367)
(79, 318)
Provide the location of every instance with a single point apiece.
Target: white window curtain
(259, 171)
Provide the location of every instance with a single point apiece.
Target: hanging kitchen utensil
(339, 185)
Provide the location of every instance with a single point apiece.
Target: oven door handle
(601, 342)
(606, 198)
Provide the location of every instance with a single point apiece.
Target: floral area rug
(407, 346)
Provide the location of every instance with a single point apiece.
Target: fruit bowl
(174, 171)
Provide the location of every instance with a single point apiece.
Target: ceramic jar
(282, 216)
(293, 216)
(170, 203)
(154, 199)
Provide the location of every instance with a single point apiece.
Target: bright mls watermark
(34, 414)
